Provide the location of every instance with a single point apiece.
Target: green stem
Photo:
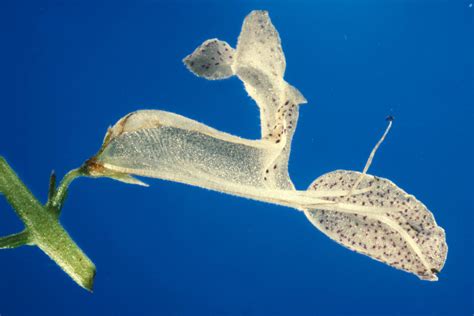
(15, 240)
(43, 227)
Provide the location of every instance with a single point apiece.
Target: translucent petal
(385, 223)
(212, 60)
(169, 146)
(259, 45)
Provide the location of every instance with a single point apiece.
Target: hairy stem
(43, 228)
(15, 240)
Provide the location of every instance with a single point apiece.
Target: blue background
(69, 69)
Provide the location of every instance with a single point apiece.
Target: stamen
(389, 119)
